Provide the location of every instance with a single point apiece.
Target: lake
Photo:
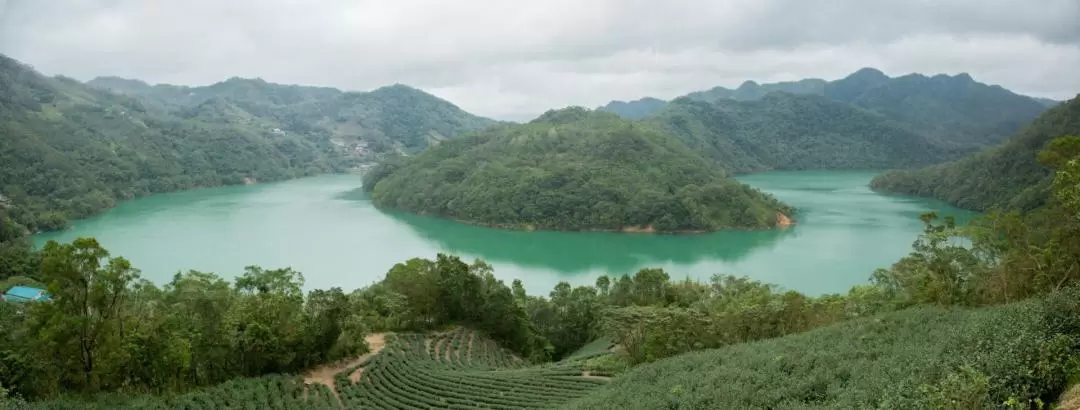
(323, 228)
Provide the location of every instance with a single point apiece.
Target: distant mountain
(634, 110)
(750, 90)
(572, 169)
(70, 150)
(784, 131)
(1047, 102)
(958, 113)
(952, 109)
(1005, 176)
(395, 117)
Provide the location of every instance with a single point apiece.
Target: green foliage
(71, 150)
(573, 170)
(459, 369)
(917, 358)
(392, 118)
(826, 124)
(795, 132)
(1012, 175)
(107, 331)
(423, 294)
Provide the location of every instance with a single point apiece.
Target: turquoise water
(323, 228)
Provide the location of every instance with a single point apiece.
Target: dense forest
(391, 118)
(975, 316)
(955, 113)
(1011, 175)
(572, 169)
(795, 132)
(70, 150)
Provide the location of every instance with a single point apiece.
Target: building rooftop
(25, 294)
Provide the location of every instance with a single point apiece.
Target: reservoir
(323, 227)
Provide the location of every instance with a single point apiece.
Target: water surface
(337, 238)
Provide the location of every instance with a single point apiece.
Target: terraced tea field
(459, 369)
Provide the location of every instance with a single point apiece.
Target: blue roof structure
(25, 294)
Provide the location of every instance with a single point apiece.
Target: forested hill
(634, 110)
(70, 150)
(572, 169)
(956, 111)
(1007, 176)
(795, 132)
(391, 118)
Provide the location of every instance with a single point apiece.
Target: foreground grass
(1008, 356)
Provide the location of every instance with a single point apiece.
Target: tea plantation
(1010, 356)
(459, 369)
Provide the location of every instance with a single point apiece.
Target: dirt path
(588, 375)
(1071, 399)
(325, 374)
(469, 355)
(438, 348)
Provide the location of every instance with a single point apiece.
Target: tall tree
(88, 289)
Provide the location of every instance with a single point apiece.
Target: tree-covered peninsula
(573, 169)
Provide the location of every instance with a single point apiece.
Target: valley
(777, 245)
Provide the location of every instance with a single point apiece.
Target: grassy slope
(905, 359)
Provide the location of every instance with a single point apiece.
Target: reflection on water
(325, 228)
(571, 252)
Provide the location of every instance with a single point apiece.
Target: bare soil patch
(588, 375)
(325, 374)
(1071, 399)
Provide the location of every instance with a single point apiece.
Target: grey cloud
(514, 59)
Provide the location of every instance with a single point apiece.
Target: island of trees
(573, 169)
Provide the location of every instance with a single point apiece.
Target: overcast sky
(515, 59)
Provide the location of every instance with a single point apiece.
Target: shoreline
(783, 222)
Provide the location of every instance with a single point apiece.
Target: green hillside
(392, 118)
(573, 169)
(1005, 176)
(70, 151)
(956, 113)
(955, 110)
(456, 369)
(918, 358)
(795, 132)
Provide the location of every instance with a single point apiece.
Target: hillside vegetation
(793, 132)
(634, 110)
(917, 358)
(859, 121)
(1009, 176)
(572, 169)
(70, 150)
(391, 118)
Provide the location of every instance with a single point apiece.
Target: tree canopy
(1009, 176)
(572, 169)
(70, 150)
(784, 131)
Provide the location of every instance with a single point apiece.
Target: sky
(513, 60)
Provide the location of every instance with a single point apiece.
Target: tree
(87, 289)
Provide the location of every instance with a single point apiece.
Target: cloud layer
(515, 59)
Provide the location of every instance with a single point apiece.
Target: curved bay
(323, 228)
